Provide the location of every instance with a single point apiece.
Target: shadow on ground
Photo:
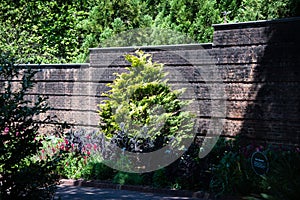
(90, 193)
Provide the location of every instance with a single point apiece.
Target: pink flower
(88, 146)
(6, 130)
(17, 133)
(66, 141)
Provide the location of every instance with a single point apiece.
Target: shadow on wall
(274, 115)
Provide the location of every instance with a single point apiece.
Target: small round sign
(260, 163)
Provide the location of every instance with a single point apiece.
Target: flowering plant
(21, 177)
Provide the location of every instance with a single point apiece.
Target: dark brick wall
(257, 64)
(265, 60)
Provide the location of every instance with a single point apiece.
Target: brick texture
(256, 64)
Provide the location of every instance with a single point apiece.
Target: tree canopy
(61, 31)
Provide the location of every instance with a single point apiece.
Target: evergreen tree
(143, 107)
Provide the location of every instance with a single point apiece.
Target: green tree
(228, 9)
(41, 31)
(141, 99)
(251, 10)
(62, 31)
(109, 17)
(192, 17)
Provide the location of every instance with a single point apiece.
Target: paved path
(90, 193)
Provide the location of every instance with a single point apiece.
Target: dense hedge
(62, 31)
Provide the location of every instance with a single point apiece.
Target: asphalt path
(89, 193)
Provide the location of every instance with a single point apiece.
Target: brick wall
(263, 91)
(256, 64)
(68, 90)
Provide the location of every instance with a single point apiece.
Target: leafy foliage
(283, 180)
(21, 177)
(41, 31)
(233, 173)
(96, 170)
(262, 10)
(62, 31)
(109, 17)
(75, 147)
(192, 17)
(160, 179)
(123, 178)
(145, 106)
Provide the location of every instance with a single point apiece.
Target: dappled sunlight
(90, 193)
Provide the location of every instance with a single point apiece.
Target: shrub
(21, 176)
(77, 148)
(98, 170)
(229, 176)
(142, 112)
(283, 179)
(251, 10)
(160, 179)
(233, 173)
(231, 170)
(123, 178)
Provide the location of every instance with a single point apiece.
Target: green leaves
(18, 129)
(63, 31)
(41, 31)
(251, 10)
(142, 99)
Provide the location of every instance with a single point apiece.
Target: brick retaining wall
(257, 64)
(268, 54)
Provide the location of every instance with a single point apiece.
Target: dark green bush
(160, 179)
(99, 171)
(124, 178)
(283, 179)
(21, 176)
(233, 173)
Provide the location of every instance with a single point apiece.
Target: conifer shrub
(142, 112)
